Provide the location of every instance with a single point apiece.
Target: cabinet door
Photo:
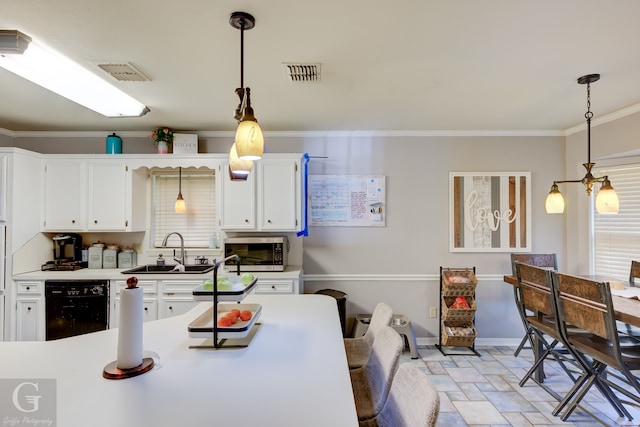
(237, 205)
(278, 191)
(269, 286)
(28, 319)
(64, 184)
(3, 188)
(175, 307)
(107, 195)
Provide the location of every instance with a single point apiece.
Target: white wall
(399, 264)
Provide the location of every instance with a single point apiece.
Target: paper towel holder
(112, 372)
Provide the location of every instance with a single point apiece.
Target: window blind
(617, 237)
(197, 224)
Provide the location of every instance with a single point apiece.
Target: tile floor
(484, 391)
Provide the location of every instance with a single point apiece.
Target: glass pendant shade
(607, 200)
(236, 165)
(555, 202)
(249, 140)
(180, 206)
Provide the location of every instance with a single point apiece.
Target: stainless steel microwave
(257, 253)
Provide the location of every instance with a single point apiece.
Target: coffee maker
(67, 253)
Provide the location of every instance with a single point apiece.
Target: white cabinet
(177, 296)
(269, 200)
(93, 196)
(236, 201)
(30, 311)
(3, 188)
(149, 300)
(64, 201)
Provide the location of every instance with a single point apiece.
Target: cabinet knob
(269, 221)
(73, 221)
(273, 287)
(170, 307)
(28, 287)
(28, 308)
(95, 221)
(247, 221)
(146, 309)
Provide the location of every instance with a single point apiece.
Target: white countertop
(292, 272)
(293, 373)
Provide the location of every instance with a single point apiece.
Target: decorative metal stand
(217, 343)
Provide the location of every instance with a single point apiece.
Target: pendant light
(607, 200)
(249, 140)
(180, 206)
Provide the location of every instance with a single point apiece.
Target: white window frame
(616, 264)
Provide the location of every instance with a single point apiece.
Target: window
(197, 225)
(617, 237)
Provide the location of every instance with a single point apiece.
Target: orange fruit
(224, 321)
(232, 317)
(245, 315)
(236, 312)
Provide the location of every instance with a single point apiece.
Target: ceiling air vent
(300, 73)
(123, 72)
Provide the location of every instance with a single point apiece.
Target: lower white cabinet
(177, 296)
(149, 300)
(30, 311)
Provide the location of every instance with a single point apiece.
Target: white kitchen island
(293, 373)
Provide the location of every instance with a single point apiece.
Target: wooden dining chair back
(359, 348)
(534, 288)
(587, 306)
(371, 383)
(413, 401)
(634, 273)
(538, 260)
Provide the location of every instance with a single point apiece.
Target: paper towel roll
(130, 330)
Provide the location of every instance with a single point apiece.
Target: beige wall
(399, 264)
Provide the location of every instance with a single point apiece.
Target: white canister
(127, 258)
(95, 255)
(110, 257)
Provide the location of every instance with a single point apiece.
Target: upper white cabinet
(93, 196)
(64, 195)
(269, 200)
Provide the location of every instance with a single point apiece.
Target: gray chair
(358, 349)
(537, 260)
(413, 401)
(371, 383)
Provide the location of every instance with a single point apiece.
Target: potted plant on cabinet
(162, 137)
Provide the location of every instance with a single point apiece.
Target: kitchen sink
(162, 269)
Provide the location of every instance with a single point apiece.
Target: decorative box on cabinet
(457, 327)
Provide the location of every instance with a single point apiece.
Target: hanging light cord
(180, 183)
(588, 115)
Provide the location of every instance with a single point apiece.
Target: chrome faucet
(182, 254)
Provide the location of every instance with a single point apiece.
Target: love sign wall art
(490, 211)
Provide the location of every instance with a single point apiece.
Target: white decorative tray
(202, 326)
(237, 292)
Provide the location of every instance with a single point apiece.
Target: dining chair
(534, 288)
(588, 305)
(413, 401)
(634, 273)
(371, 383)
(358, 349)
(538, 260)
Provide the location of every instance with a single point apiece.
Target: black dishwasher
(75, 307)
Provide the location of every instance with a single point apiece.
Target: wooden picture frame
(490, 211)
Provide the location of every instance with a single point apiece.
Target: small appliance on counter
(67, 253)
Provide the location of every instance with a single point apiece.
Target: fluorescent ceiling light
(59, 74)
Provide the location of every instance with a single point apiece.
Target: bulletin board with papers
(347, 200)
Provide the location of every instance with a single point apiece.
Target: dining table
(291, 370)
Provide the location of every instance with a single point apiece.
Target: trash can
(341, 300)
